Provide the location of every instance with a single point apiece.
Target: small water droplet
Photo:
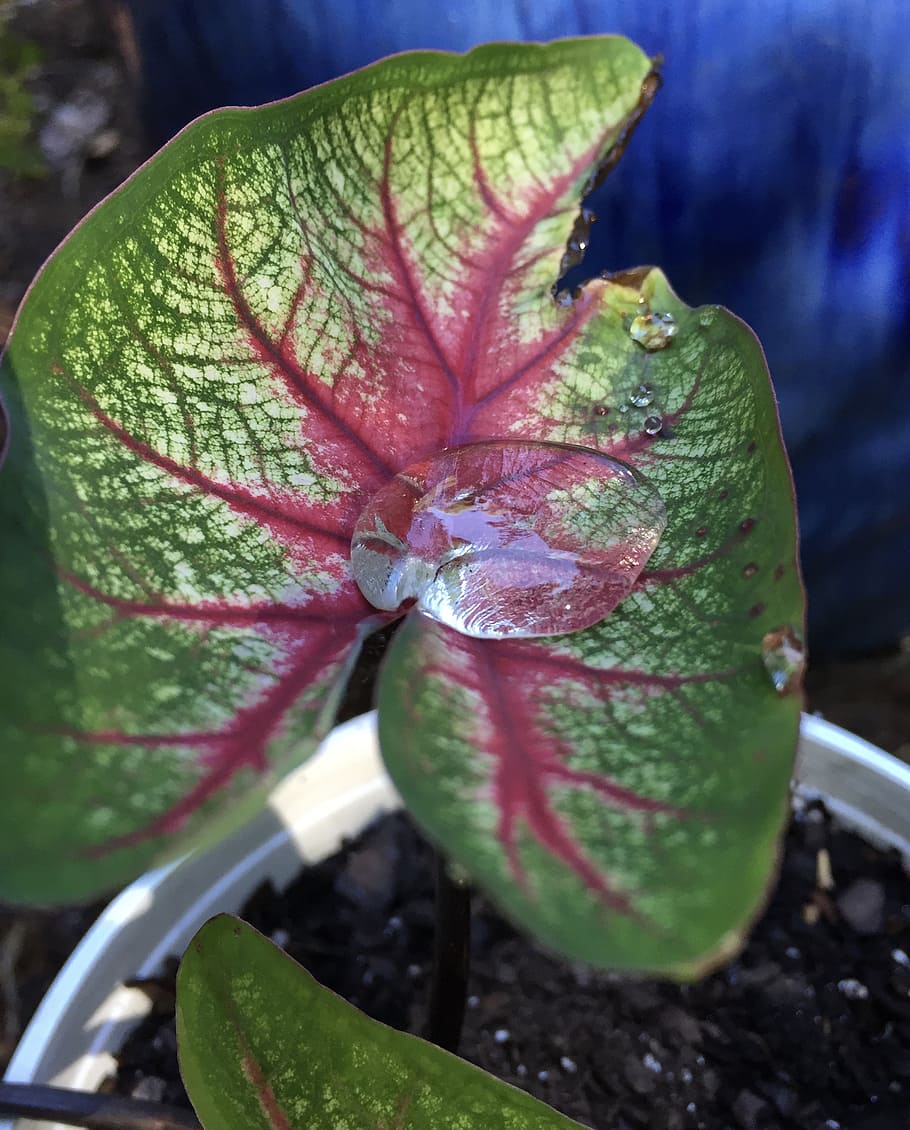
(501, 539)
(601, 410)
(784, 657)
(563, 298)
(543, 1076)
(568, 1065)
(750, 570)
(643, 396)
(707, 317)
(746, 525)
(652, 1063)
(624, 408)
(653, 330)
(652, 425)
(501, 1035)
(900, 957)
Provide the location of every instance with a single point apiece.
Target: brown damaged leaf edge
(581, 229)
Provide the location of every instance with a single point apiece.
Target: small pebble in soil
(852, 989)
(150, 1089)
(862, 906)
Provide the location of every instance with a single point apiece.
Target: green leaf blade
(205, 384)
(621, 791)
(293, 1056)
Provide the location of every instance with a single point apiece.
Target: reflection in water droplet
(653, 330)
(652, 425)
(642, 397)
(785, 659)
(508, 539)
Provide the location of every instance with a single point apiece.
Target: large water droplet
(511, 539)
(653, 330)
(652, 425)
(784, 656)
(643, 396)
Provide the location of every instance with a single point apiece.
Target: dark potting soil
(808, 1029)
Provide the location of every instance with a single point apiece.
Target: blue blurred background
(772, 175)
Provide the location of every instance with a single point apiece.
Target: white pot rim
(345, 786)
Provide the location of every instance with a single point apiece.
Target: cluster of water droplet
(652, 330)
(643, 397)
(505, 539)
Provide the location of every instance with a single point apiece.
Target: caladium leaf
(208, 381)
(620, 791)
(294, 1056)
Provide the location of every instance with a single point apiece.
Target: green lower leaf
(293, 1056)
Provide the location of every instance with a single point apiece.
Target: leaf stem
(451, 958)
(90, 1110)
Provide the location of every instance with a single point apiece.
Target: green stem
(451, 959)
(92, 1111)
